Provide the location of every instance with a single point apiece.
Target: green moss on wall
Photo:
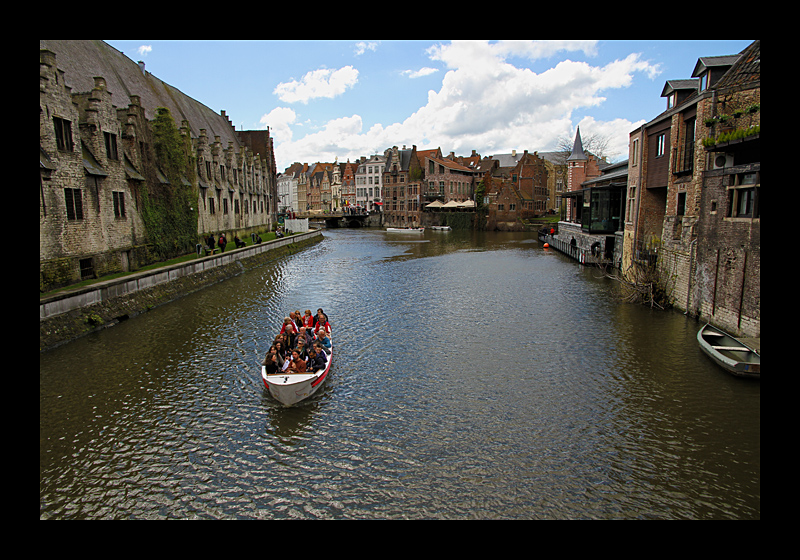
(170, 211)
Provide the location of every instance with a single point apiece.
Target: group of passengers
(303, 344)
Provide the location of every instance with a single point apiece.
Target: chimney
(141, 66)
(513, 153)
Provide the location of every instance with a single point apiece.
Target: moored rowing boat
(405, 230)
(729, 353)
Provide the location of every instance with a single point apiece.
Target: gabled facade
(348, 188)
(692, 194)
(402, 181)
(369, 182)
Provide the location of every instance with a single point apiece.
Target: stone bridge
(342, 219)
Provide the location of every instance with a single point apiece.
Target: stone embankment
(73, 313)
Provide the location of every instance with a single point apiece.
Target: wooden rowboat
(291, 388)
(729, 353)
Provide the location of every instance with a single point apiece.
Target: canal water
(476, 375)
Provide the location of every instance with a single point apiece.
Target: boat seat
(739, 348)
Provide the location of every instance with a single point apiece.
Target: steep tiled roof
(82, 60)
(746, 70)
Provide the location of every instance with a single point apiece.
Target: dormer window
(704, 82)
(671, 100)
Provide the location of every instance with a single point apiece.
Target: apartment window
(681, 210)
(111, 145)
(743, 196)
(635, 153)
(119, 204)
(63, 134)
(661, 141)
(74, 204)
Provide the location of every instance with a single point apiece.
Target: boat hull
(729, 353)
(405, 230)
(291, 388)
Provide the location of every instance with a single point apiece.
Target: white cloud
(488, 104)
(362, 47)
(426, 71)
(278, 121)
(144, 50)
(317, 83)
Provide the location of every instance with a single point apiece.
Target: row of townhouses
(408, 185)
(114, 195)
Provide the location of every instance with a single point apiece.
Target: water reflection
(476, 376)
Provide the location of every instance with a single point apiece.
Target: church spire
(577, 149)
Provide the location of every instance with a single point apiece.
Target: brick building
(97, 162)
(402, 182)
(695, 175)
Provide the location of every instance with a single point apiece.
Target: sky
(324, 100)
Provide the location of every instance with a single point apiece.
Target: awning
(435, 204)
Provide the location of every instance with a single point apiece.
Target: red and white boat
(291, 388)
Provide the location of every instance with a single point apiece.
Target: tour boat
(291, 388)
(406, 229)
(441, 228)
(731, 354)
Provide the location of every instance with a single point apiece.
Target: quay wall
(74, 313)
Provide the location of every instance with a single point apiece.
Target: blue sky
(345, 99)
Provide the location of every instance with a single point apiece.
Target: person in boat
(298, 365)
(287, 324)
(308, 320)
(324, 340)
(306, 334)
(320, 316)
(322, 325)
(300, 347)
(321, 352)
(286, 341)
(298, 319)
(315, 361)
(273, 362)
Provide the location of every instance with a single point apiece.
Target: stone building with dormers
(97, 162)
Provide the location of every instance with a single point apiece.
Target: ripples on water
(477, 376)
